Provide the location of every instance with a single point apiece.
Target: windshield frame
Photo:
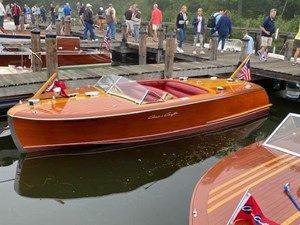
(282, 149)
(112, 84)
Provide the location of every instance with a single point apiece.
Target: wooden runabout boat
(94, 173)
(269, 171)
(120, 111)
(69, 53)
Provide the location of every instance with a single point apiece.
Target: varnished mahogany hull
(262, 171)
(68, 59)
(143, 126)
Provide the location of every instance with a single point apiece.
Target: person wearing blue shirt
(268, 28)
(224, 28)
(67, 11)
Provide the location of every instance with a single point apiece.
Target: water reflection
(79, 175)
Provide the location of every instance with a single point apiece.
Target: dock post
(165, 27)
(169, 55)
(160, 47)
(257, 42)
(143, 47)
(244, 53)
(51, 54)
(288, 50)
(36, 56)
(22, 22)
(214, 47)
(68, 27)
(124, 34)
(58, 27)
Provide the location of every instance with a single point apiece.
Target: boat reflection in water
(80, 175)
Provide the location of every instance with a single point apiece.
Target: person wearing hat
(101, 18)
(88, 22)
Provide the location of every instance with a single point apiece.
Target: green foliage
(252, 12)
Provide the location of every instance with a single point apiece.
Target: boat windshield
(286, 137)
(129, 89)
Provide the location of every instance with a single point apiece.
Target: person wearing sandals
(181, 23)
(199, 31)
(297, 43)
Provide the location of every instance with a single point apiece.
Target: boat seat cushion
(185, 88)
(174, 87)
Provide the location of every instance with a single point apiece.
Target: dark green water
(150, 185)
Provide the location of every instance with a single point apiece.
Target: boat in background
(120, 111)
(268, 170)
(68, 51)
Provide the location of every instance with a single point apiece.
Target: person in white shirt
(199, 31)
(2, 14)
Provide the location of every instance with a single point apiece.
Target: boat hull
(64, 59)
(149, 125)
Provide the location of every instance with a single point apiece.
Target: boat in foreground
(269, 171)
(120, 111)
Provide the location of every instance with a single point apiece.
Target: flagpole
(234, 74)
(45, 85)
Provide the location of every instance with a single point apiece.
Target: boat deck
(263, 171)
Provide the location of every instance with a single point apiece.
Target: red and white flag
(58, 86)
(249, 211)
(245, 73)
(105, 43)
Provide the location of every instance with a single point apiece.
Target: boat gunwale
(169, 105)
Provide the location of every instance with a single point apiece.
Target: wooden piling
(58, 27)
(36, 56)
(288, 50)
(67, 27)
(51, 54)
(214, 47)
(165, 28)
(244, 53)
(169, 55)
(257, 42)
(124, 34)
(160, 47)
(143, 47)
(22, 22)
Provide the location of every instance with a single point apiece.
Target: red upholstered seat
(174, 87)
(185, 88)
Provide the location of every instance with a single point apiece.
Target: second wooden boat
(263, 170)
(69, 53)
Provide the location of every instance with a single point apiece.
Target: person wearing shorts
(297, 43)
(156, 20)
(267, 30)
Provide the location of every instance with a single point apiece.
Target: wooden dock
(186, 64)
(26, 83)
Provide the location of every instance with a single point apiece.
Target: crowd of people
(218, 23)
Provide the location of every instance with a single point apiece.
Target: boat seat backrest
(184, 88)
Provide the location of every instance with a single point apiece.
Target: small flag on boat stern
(249, 211)
(58, 86)
(105, 43)
(245, 73)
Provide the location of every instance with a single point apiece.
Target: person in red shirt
(16, 11)
(156, 20)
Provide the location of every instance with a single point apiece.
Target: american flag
(105, 43)
(245, 73)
